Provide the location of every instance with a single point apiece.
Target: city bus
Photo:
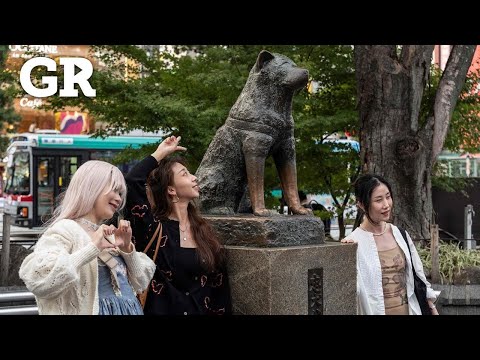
(40, 166)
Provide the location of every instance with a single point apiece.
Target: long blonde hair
(86, 186)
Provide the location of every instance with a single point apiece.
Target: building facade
(68, 120)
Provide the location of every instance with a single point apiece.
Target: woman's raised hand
(123, 236)
(168, 146)
(104, 237)
(109, 237)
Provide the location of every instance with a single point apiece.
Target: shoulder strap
(404, 235)
(159, 240)
(159, 227)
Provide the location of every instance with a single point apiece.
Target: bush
(452, 260)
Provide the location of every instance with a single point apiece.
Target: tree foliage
(463, 128)
(190, 91)
(465, 124)
(8, 116)
(403, 130)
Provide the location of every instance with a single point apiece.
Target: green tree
(8, 116)
(319, 113)
(465, 123)
(395, 140)
(463, 129)
(325, 167)
(192, 95)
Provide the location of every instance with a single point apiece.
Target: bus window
(102, 155)
(45, 170)
(52, 160)
(45, 186)
(68, 166)
(108, 156)
(19, 175)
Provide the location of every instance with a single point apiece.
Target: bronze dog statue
(259, 124)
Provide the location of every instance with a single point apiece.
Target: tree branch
(416, 60)
(449, 89)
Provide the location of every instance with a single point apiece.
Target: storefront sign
(31, 103)
(26, 51)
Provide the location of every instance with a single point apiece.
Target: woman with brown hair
(191, 277)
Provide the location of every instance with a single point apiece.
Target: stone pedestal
(273, 231)
(293, 280)
(281, 265)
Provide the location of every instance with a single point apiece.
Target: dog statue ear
(262, 59)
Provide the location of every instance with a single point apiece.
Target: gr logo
(70, 78)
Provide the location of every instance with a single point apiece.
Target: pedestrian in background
(314, 205)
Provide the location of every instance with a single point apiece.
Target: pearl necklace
(379, 234)
(91, 225)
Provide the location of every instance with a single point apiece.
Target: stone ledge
(458, 295)
(272, 231)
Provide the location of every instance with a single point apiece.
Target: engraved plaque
(315, 291)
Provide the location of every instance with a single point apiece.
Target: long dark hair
(364, 187)
(209, 248)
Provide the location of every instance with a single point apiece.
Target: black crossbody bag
(420, 286)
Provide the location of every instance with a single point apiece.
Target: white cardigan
(62, 272)
(370, 299)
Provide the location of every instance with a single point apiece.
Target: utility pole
(470, 243)
(5, 250)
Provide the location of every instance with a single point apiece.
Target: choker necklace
(379, 234)
(91, 225)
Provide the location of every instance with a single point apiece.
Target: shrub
(452, 260)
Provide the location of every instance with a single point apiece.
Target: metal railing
(9, 303)
(19, 310)
(22, 238)
(16, 296)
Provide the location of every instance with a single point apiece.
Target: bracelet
(432, 307)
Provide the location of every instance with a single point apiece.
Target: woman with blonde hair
(81, 266)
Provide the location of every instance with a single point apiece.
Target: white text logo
(70, 78)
